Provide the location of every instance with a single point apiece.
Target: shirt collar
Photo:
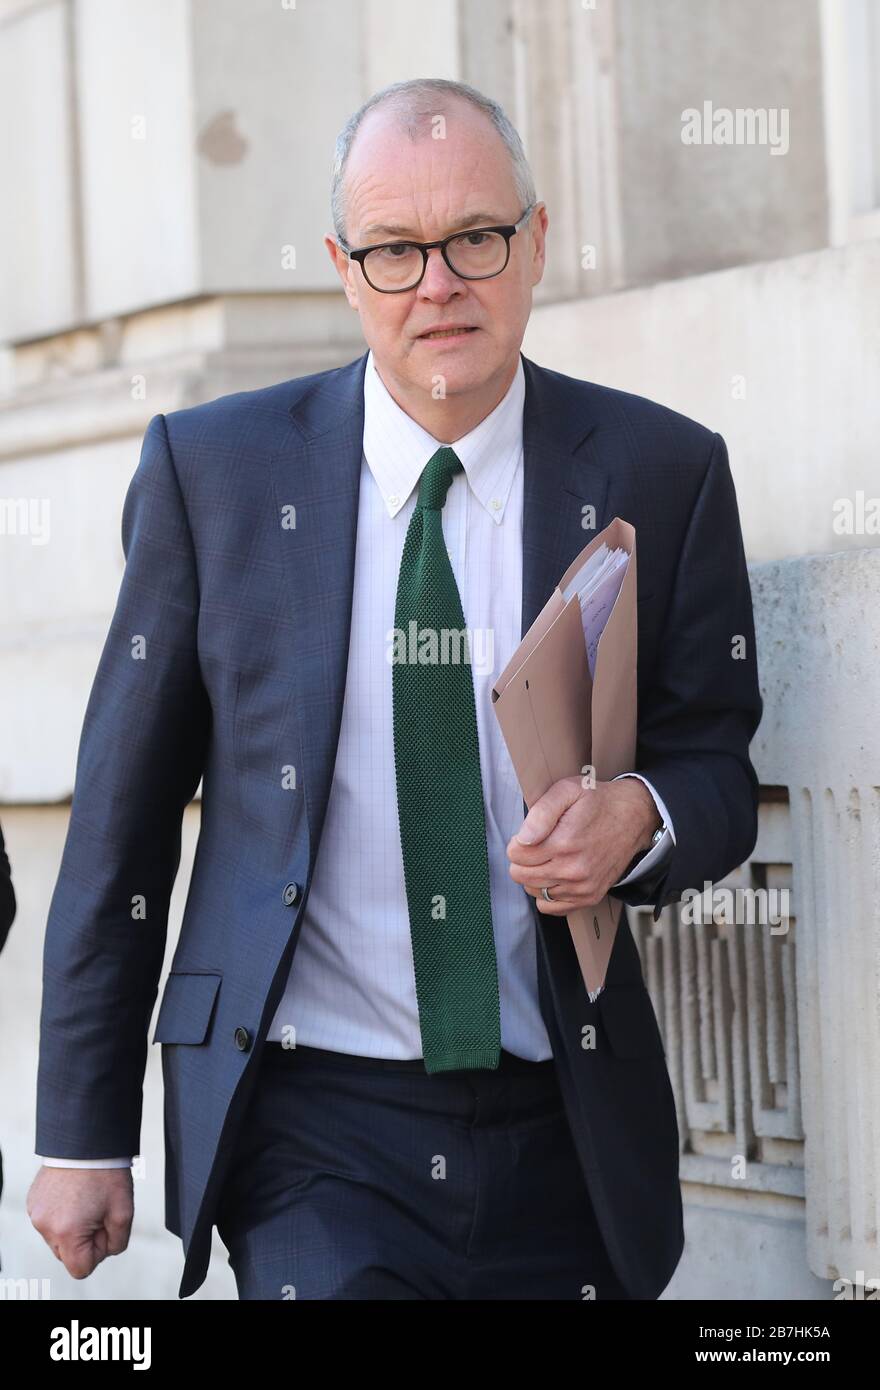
(397, 448)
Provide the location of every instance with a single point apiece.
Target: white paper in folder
(597, 585)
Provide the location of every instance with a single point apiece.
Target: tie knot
(436, 478)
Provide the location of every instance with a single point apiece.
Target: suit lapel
(562, 478)
(319, 474)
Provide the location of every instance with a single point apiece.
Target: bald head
(420, 109)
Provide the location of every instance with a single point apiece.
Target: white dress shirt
(351, 986)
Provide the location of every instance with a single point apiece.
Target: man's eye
(475, 238)
(403, 247)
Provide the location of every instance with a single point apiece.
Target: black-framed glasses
(476, 254)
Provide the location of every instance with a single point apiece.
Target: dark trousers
(360, 1178)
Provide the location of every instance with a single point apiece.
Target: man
(455, 1118)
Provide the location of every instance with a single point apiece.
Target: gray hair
(415, 101)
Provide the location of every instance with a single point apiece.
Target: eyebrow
(485, 219)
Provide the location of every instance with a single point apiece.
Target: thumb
(544, 816)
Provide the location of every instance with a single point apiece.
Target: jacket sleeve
(701, 705)
(140, 758)
(7, 894)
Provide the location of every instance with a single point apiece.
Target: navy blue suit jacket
(226, 659)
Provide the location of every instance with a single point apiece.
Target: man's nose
(438, 282)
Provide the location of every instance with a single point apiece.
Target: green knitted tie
(440, 797)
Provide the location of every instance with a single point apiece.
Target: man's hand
(581, 841)
(83, 1214)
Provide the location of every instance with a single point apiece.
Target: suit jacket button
(291, 893)
(242, 1039)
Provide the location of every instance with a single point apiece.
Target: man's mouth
(447, 333)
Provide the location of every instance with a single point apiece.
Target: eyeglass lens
(471, 254)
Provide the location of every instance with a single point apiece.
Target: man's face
(396, 190)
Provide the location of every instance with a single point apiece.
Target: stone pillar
(818, 620)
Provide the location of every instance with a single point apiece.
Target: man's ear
(538, 234)
(343, 269)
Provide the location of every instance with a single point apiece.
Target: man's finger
(555, 872)
(547, 810)
(557, 907)
(79, 1257)
(118, 1231)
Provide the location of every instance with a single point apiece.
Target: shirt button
(393, 500)
(495, 503)
(242, 1039)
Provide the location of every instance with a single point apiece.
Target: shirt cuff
(84, 1162)
(664, 846)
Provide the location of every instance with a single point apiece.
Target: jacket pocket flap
(629, 1021)
(186, 1008)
